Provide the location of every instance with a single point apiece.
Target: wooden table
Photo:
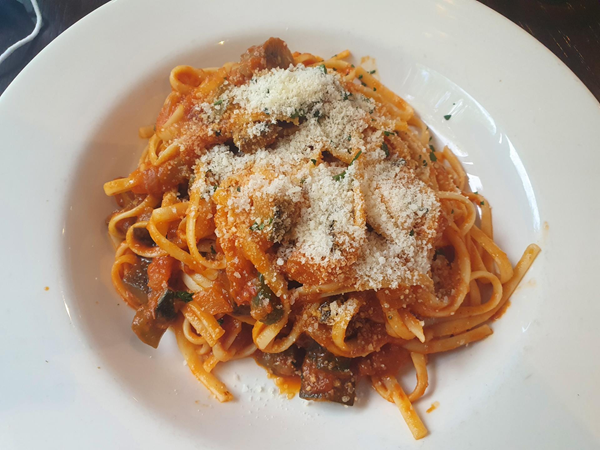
(571, 29)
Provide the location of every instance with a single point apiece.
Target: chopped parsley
(238, 189)
(452, 212)
(476, 192)
(482, 203)
(349, 138)
(447, 116)
(314, 161)
(424, 163)
(372, 72)
(363, 83)
(317, 114)
(339, 176)
(432, 157)
(323, 68)
(374, 89)
(386, 149)
(212, 250)
(389, 133)
(412, 233)
(218, 102)
(360, 77)
(267, 112)
(221, 320)
(256, 227)
(432, 148)
(218, 133)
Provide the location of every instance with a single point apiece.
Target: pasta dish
(294, 210)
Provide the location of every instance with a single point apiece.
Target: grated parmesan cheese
(323, 204)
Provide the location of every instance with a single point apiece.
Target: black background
(570, 29)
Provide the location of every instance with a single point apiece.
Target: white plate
(71, 372)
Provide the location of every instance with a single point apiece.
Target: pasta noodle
(294, 209)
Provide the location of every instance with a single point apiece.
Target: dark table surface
(571, 29)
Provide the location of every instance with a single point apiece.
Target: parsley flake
(412, 233)
(386, 149)
(447, 116)
(482, 203)
(432, 157)
(339, 176)
(323, 68)
(314, 161)
(256, 227)
(372, 72)
(218, 102)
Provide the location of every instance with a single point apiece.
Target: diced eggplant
(148, 325)
(284, 364)
(147, 328)
(326, 377)
(136, 278)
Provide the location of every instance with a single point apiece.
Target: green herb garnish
(323, 68)
(447, 116)
(339, 176)
(256, 227)
(386, 149)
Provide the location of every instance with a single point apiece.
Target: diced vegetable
(284, 364)
(136, 278)
(147, 328)
(326, 377)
